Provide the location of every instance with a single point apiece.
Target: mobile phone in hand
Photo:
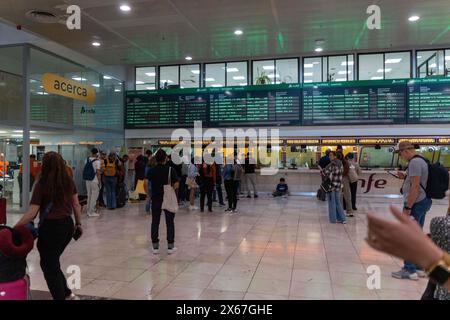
(77, 234)
(394, 173)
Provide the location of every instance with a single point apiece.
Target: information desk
(429, 100)
(370, 102)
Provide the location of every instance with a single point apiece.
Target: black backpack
(438, 179)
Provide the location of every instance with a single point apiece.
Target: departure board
(173, 108)
(429, 100)
(356, 102)
(256, 105)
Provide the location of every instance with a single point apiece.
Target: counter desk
(371, 182)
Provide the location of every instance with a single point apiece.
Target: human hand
(402, 238)
(401, 174)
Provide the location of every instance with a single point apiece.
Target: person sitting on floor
(282, 189)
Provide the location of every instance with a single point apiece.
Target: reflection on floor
(270, 249)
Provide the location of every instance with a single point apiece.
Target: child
(282, 189)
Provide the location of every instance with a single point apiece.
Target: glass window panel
(337, 68)
(287, 69)
(215, 75)
(430, 63)
(324, 69)
(190, 76)
(370, 66)
(350, 67)
(168, 77)
(146, 78)
(444, 157)
(312, 70)
(397, 65)
(264, 72)
(238, 75)
(447, 63)
(376, 158)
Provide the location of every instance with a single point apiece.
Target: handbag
(170, 201)
(140, 189)
(31, 226)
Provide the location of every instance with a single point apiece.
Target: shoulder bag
(170, 201)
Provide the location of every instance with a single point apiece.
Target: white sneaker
(421, 273)
(172, 250)
(155, 251)
(73, 297)
(193, 208)
(93, 215)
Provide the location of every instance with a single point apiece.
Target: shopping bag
(170, 201)
(140, 188)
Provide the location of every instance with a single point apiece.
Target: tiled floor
(271, 249)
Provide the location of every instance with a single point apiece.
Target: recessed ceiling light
(168, 81)
(308, 81)
(96, 85)
(273, 76)
(16, 135)
(195, 71)
(243, 84)
(269, 67)
(341, 79)
(107, 77)
(239, 78)
(419, 57)
(96, 44)
(308, 74)
(117, 90)
(433, 65)
(345, 63)
(413, 18)
(384, 70)
(308, 65)
(397, 60)
(3, 132)
(344, 72)
(188, 58)
(140, 82)
(318, 49)
(79, 79)
(210, 79)
(125, 8)
(232, 70)
(447, 58)
(150, 88)
(238, 32)
(216, 85)
(151, 74)
(377, 78)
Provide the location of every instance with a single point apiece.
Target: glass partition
(374, 157)
(215, 75)
(169, 77)
(190, 76)
(237, 74)
(431, 63)
(286, 71)
(328, 69)
(444, 156)
(146, 78)
(264, 72)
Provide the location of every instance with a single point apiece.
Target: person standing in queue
(139, 169)
(92, 176)
(228, 174)
(346, 193)
(335, 171)
(55, 197)
(158, 177)
(250, 176)
(110, 180)
(192, 184)
(208, 176)
(353, 174)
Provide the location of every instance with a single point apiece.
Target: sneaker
(155, 249)
(350, 215)
(172, 250)
(228, 210)
(342, 222)
(93, 215)
(255, 196)
(421, 273)
(73, 297)
(405, 274)
(222, 204)
(249, 196)
(235, 210)
(193, 208)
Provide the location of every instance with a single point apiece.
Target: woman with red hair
(55, 198)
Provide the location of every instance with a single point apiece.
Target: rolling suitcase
(2, 211)
(15, 290)
(121, 195)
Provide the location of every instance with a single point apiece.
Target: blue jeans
(110, 186)
(335, 210)
(148, 205)
(418, 212)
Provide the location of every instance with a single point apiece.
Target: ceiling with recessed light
(166, 31)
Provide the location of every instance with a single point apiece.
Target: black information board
(362, 102)
(257, 105)
(150, 109)
(429, 100)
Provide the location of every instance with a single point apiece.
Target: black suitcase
(321, 195)
(121, 195)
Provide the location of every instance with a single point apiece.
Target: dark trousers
(206, 190)
(218, 191)
(231, 190)
(54, 236)
(182, 189)
(353, 188)
(156, 218)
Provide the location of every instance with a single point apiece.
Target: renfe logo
(379, 184)
(67, 88)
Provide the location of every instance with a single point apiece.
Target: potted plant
(262, 78)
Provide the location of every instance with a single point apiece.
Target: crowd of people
(55, 199)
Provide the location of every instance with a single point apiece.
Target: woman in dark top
(55, 193)
(158, 177)
(208, 176)
(139, 169)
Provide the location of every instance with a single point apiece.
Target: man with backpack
(422, 182)
(92, 176)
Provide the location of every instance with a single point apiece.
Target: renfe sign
(67, 88)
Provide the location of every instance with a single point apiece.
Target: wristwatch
(440, 271)
(407, 208)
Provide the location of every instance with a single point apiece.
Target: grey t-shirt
(416, 168)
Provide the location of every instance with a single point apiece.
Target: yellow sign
(303, 141)
(418, 140)
(444, 140)
(377, 141)
(338, 141)
(67, 88)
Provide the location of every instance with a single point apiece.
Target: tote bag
(170, 201)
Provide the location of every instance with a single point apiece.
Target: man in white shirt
(93, 186)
